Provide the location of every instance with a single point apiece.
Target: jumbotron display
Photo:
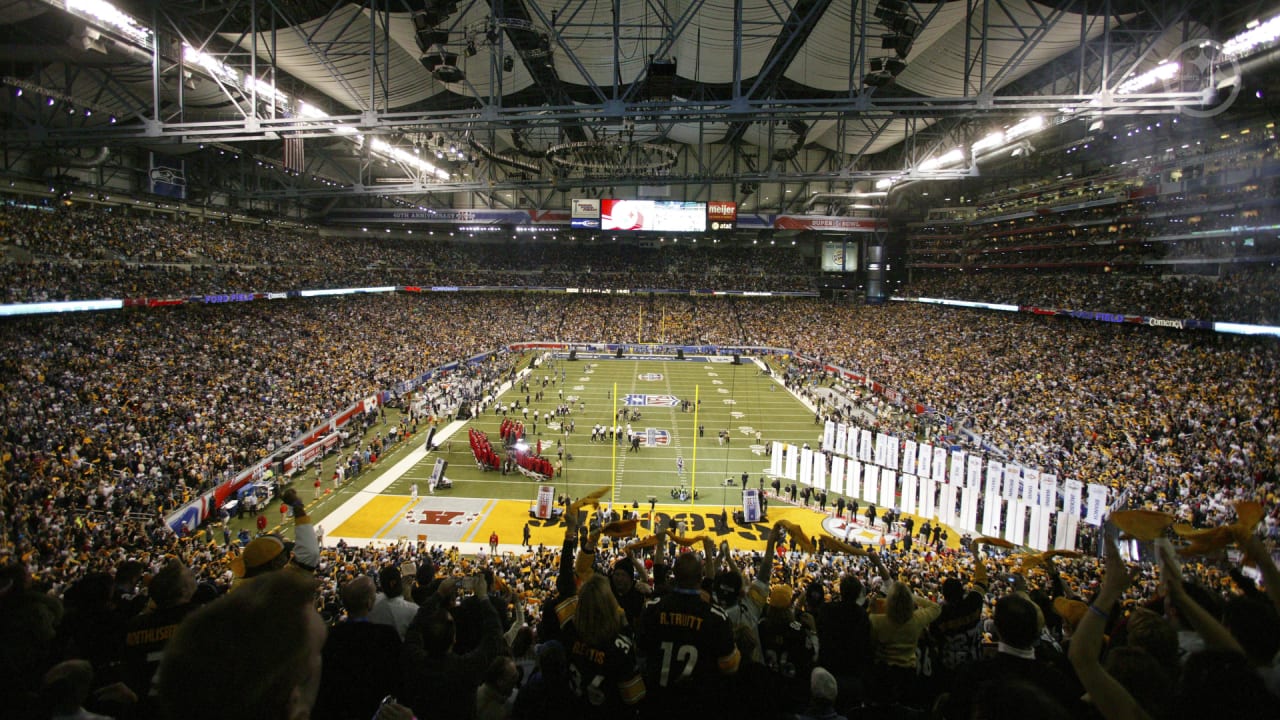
(653, 216)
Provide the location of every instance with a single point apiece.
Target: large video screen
(653, 215)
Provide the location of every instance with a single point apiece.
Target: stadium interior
(964, 310)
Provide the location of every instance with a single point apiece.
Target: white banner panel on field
(793, 461)
(1012, 479)
(882, 446)
(1029, 490)
(909, 491)
(1015, 524)
(864, 446)
(837, 475)
(851, 443)
(1049, 491)
(924, 460)
(947, 504)
(940, 464)
(829, 435)
(842, 438)
(1096, 508)
(891, 452)
(888, 488)
(820, 471)
(853, 478)
(909, 457)
(973, 474)
(991, 511)
(775, 460)
(1048, 496)
(995, 470)
(1072, 497)
(969, 509)
(928, 490)
(806, 466)
(956, 476)
(870, 482)
(1066, 535)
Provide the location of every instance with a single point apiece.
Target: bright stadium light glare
(994, 140)
(1035, 123)
(1163, 72)
(1255, 36)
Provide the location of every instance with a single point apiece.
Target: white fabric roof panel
(704, 53)
(938, 68)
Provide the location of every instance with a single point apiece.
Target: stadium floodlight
(994, 140)
(949, 158)
(1032, 124)
(1255, 37)
(1164, 72)
(113, 18)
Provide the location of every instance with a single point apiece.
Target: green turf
(735, 398)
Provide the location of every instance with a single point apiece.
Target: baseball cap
(780, 596)
(258, 554)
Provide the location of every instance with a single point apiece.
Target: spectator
(271, 670)
(391, 607)
(361, 658)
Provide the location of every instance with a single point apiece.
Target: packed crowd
(607, 627)
(133, 413)
(85, 254)
(137, 412)
(1251, 295)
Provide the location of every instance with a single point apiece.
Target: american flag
(295, 156)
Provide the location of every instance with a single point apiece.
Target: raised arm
(1257, 552)
(1215, 635)
(1111, 698)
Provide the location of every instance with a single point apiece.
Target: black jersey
(606, 680)
(790, 651)
(687, 645)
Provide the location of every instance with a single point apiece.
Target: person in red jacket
(493, 543)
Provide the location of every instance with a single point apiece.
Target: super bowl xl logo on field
(651, 377)
(653, 437)
(651, 400)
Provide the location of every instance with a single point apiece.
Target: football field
(739, 408)
(701, 421)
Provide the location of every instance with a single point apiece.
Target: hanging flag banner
(819, 474)
(924, 460)
(888, 488)
(864, 446)
(829, 436)
(940, 464)
(837, 475)
(973, 479)
(1012, 480)
(957, 468)
(1072, 491)
(871, 483)
(775, 459)
(1096, 508)
(909, 490)
(909, 457)
(806, 466)
(842, 438)
(994, 472)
